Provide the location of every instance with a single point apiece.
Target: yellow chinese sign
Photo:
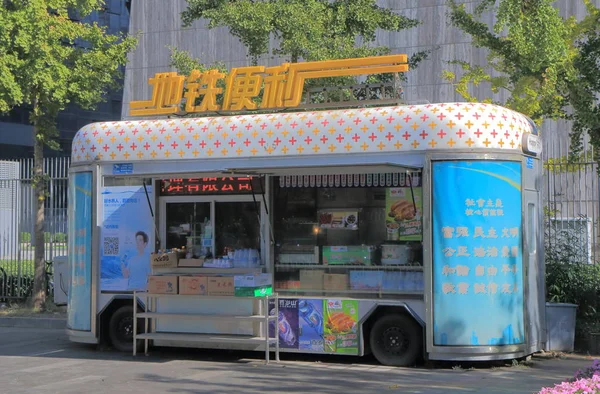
(282, 84)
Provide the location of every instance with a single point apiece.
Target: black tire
(120, 329)
(396, 340)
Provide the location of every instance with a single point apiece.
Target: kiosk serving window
(348, 234)
(215, 219)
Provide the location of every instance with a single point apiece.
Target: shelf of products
(362, 293)
(149, 313)
(354, 267)
(206, 271)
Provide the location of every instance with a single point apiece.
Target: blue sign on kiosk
(122, 168)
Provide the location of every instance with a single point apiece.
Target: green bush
(25, 237)
(60, 238)
(47, 237)
(571, 279)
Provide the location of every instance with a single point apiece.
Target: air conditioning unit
(573, 235)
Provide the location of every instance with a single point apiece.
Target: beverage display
(286, 334)
(311, 316)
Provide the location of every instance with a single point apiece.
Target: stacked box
(311, 279)
(335, 282)
(366, 280)
(164, 260)
(220, 285)
(162, 284)
(193, 285)
(256, 285)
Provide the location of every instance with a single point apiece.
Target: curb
(33, 322)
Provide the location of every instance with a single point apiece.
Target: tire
(120, 329)
(396, 340)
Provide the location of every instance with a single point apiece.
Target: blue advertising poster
(80, 251)
(127, 238)
(477, 253)
(288, 322)
(310, 316)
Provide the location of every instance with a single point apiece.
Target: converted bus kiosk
(421, 223)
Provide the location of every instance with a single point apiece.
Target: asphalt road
(44, 361)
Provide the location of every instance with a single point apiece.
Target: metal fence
(571, 199)
(17, 222)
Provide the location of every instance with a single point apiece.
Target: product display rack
(149, 312)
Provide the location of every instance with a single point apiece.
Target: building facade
(16, 133)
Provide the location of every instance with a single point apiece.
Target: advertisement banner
(310, 315)
(477, 253)
(340, 333)
(80, 251)
(404, 207)
(127, 238)
(288, 322)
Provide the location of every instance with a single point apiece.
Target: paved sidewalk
(44, 361)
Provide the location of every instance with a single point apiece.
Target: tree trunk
(39, 279)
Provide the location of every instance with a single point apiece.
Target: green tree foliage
(307, 30)
(48, 60)
(304, 29)
(548, 64)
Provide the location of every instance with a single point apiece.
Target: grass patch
(11, 267)
(24, 310)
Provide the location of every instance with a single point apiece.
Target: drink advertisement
(404, 207)
(288, 322)
(127, 238)
(341, 326)
(310, 315)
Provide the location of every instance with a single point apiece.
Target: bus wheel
(396, 340)
(120, 329)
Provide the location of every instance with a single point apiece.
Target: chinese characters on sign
(477, 268)
(283, 85)
(200, 186)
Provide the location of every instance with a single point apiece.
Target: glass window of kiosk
(213, 218)
(350, 235)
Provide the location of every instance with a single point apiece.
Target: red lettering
(193, 188)
(175, 188)
(209, 179)
(244, 186)
(228, 187)
(209, 188)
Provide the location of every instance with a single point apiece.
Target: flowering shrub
(588, 372)
(586, 381)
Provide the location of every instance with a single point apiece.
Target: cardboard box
(196, 285)
(335, 282)
(255, 280)
(162, 284)
(287, 284)
(163, 260)
(259, 291)
(221, 285)
(348, 255)
(366, 280)
(311, 279)
(190, 263)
